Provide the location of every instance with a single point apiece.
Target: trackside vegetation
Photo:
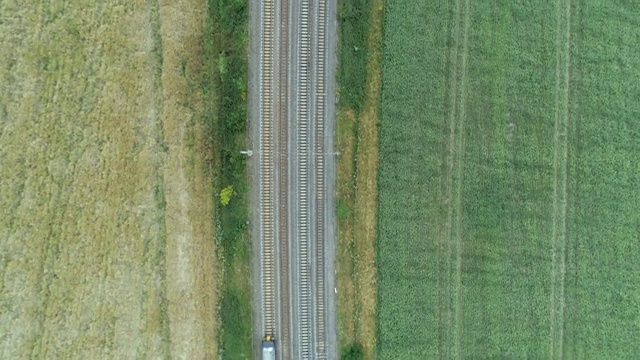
(352, 352)
(354, 21)
(359, 80)
(508, 180)
(226, 62)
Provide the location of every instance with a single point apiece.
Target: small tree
(353, 351)
(226, 194)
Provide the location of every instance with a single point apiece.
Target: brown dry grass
(345, 264)
(106, 236)
(358, 172)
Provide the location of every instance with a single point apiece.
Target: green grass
(352, 352)
(479, 186)
(352, 73)
(227, 112)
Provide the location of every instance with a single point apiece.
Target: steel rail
(283, 191)
(304, 266)
(320, 96)
(268, 273)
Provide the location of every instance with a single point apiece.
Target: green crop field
(508, 185)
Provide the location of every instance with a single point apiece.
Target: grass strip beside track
(226, 63)
(357, 139)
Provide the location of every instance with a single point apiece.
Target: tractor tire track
(560, 194)
(451, 229)
(444, 255)
(459, 176)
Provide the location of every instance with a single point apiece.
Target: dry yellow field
(106, 214)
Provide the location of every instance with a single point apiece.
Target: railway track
(267, 238)
(304, 266)
(312, 294)
(283, 238)
(293, 265)
(320, 153)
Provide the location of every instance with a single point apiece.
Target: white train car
(268, 349)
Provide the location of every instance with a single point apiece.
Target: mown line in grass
(451, 185)
(461, 111)
(560, 195)
(160, 258)
(225, 86)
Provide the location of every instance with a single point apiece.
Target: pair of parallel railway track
(274, 166)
